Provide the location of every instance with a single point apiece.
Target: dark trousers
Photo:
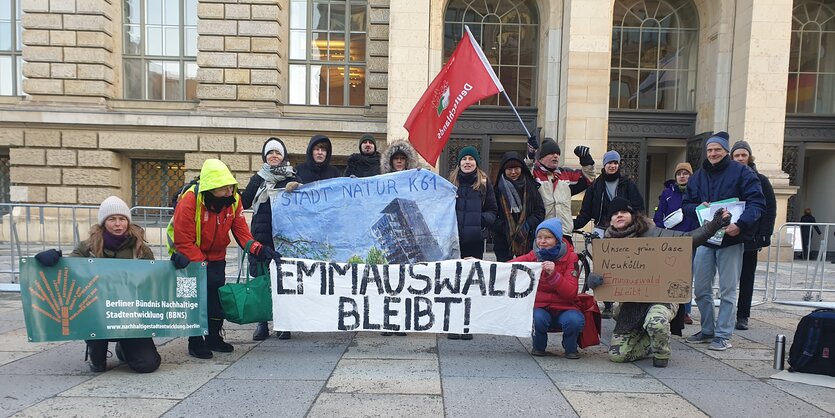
(215, 278)
(140, 353)
(472, 249)
(746, 284)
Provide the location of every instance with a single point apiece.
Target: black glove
(765, 241)
(266, 254)
(594, 280)
(718, 217)
(180, 261)
(583, 153)
(48, 258)
(533, 143)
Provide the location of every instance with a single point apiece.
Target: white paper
(706, 214)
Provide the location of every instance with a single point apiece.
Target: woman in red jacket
(203, 218)
(557, 289)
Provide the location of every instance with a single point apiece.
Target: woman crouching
(114, 237)
(643, 328)
(557, 289)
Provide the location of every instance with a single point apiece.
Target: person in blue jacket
(721, 178)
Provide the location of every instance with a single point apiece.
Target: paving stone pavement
(365, 374)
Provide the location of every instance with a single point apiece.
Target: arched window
(811, 86)
(508, 32)
(654, 48)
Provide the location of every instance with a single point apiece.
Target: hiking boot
(96, 355)
(466, 336)
(453, 336)
(262, 332)
(719, 344)
(572, 356)
(538, 353)
(400, 334)
(741, 324)
(197, 348)
(699, 338)
(387, 334)
(687, 319)
(660, 362)
(283, 335)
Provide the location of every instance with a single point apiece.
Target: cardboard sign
(644, 269)
(451, 296)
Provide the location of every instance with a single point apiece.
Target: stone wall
(69, 48)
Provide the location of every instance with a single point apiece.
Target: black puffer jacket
(765, 225)
(534, 210)
(361, 165)
(262, 220)
(475, 210)
(596, 201)
(310, 171)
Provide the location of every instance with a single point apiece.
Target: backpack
(813, 347)
(194, 182)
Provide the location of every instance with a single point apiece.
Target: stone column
(376, 74)
(762, 33)
(408, 64)
(68, 48)
(584, 91)
(240, 54)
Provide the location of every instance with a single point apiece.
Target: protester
(520, 208)
(275, 173)
(644, 329)
(365, 163)
(669, 215)
(557, 289)
(475, 208)
(610, 184)
(205, 214)
(741, 153)
(399, 156)
(721, 178)
(806, 231)
(317, 161)
(116, 237)
(558, 184)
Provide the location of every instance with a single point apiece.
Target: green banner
(102, 298)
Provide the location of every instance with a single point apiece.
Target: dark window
(156, 182)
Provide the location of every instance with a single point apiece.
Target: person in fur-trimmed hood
(365, 163)
(399, 156)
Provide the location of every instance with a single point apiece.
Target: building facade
(99, 97)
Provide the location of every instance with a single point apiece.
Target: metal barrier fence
(804, 281)
(27, 229)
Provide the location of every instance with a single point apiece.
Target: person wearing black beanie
(365, 163)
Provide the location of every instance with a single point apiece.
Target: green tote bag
(250, 301)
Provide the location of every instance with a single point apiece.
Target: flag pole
(484, 58)
(516, 113)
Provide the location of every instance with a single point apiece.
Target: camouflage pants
(653, 339)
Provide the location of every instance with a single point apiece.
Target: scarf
(467, 178)
(610, 177)
(509, 191)
(364, 162)
(272, 176)
(217, 204)
(550, 254)
(113, 242)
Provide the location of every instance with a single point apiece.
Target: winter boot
(262, 332)
(96, 355)
(197, 348)
(214, 341)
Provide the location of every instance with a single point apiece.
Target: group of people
(527, 208)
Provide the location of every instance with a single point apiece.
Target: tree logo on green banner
(60, 300)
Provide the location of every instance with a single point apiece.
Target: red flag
(464, 80)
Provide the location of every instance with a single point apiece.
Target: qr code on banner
(186, 287)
